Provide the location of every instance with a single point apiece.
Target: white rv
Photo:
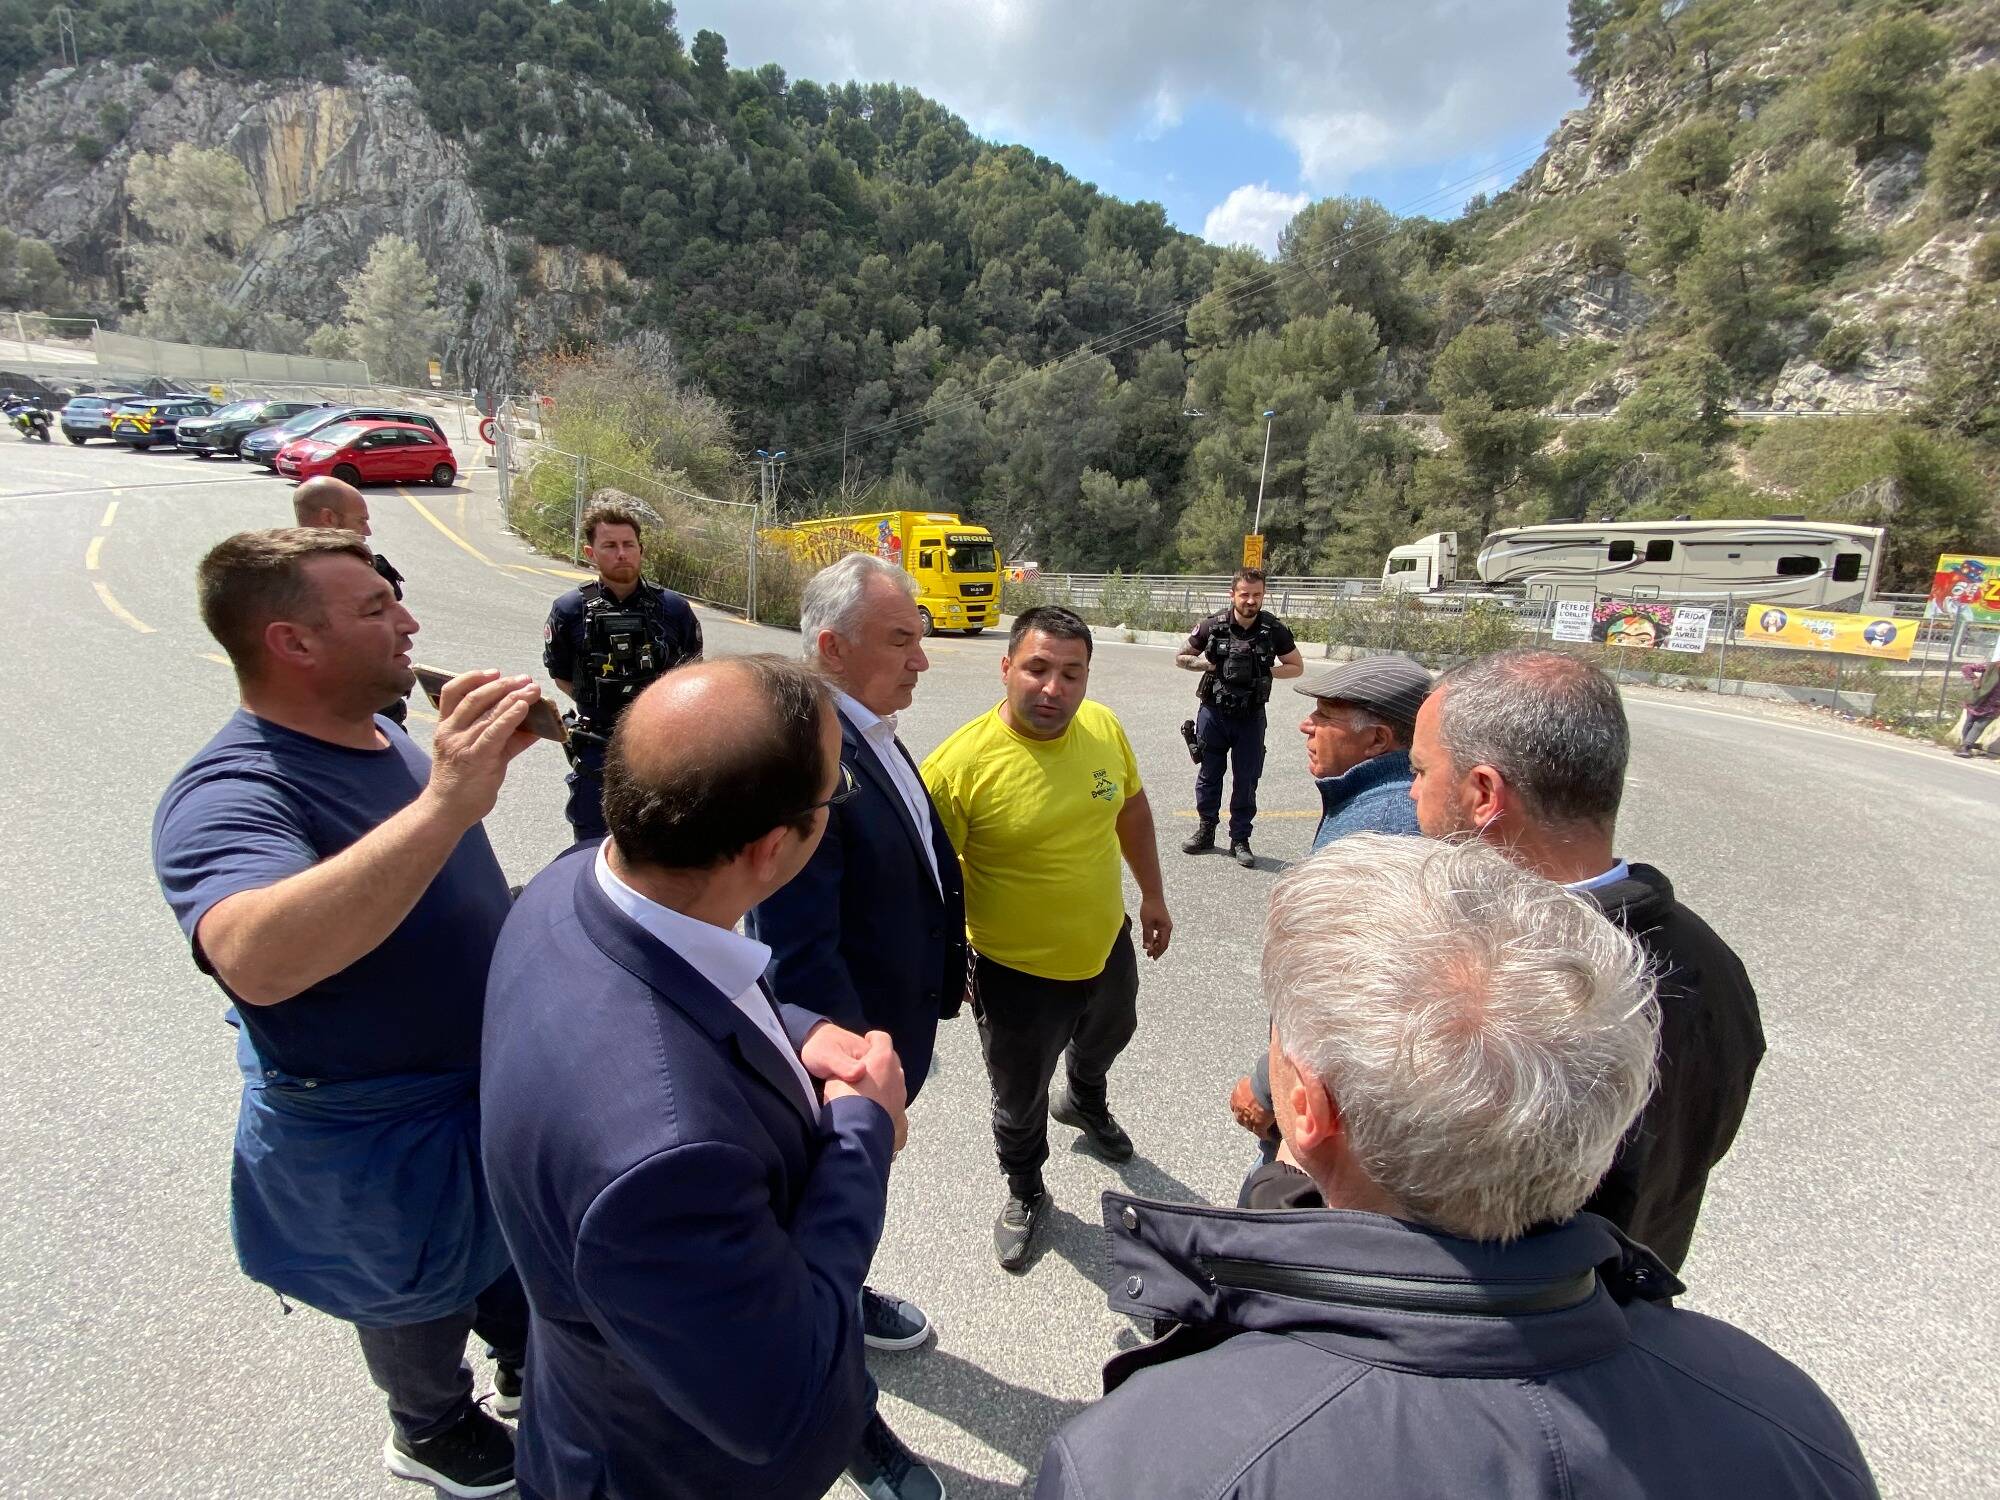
(1810, 564)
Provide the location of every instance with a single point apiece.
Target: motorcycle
(30, 421)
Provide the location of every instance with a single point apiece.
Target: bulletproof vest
(624, 649)
(1239, 681)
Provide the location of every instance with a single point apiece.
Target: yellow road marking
(218, 659)
(461, 512)
(1262, 814)
(425, 511)
(110, 514)
(426, 716)
(91, 553)
(120, 612)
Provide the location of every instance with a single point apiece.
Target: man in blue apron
(338, 886)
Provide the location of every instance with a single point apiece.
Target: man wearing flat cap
(1358, 744)
(1358, 736)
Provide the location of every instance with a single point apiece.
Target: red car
(371, 453)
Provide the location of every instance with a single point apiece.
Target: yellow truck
(957, 566)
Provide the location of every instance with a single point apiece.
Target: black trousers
(1222, 738)
(585, 808)
(421, 1367)
(1025, 1024)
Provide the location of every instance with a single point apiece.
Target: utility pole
(66, 53)
(1257, 526)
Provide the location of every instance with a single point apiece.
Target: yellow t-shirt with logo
(1035, 823)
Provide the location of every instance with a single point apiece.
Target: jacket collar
(676, 982)
(1639, 900)
(1335, 792)
(860, 755)
(1377, 1290)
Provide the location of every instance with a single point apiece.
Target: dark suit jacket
(692, 1243)
(862, 935)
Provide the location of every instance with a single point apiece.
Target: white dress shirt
(728, 960)
(879, 732)
(1619, 871)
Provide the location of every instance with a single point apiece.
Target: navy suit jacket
(862, 934)
(692, 1242)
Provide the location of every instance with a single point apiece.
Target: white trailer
(1810, 564)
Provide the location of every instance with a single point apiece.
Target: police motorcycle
(28, 417)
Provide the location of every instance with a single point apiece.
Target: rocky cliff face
(335, 167)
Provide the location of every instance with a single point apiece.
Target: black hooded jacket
(1711, 1041)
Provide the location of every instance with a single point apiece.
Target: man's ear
(1484, 795)
(764, 853)
(289, 645)
(1315, 1116)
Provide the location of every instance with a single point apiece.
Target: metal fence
(697, 545)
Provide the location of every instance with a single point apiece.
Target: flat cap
(1393, 686)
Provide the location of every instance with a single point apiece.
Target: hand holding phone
(543, 721)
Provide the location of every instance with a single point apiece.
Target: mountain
(1765, 204)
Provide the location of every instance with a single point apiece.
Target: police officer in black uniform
(1238, 651)
(335, 505)
(603, 644)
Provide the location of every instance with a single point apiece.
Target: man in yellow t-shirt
(1041, 797)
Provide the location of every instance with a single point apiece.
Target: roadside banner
(1253, 551)
(1689, 631)
(1572, 622)
(1636, 623)
(1827, 630)
(1967, 586)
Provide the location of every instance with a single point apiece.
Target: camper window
(1797, 567)
(1846, 567)
(1621, 550)
(1659, 551)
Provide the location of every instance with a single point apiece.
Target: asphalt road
(1852, 1228)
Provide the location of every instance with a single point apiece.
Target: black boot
(1203, 840)
(1239, 850)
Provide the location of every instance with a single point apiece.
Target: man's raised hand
(482, 719)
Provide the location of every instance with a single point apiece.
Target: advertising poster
(1572, 622)
(1826, 630)
(1968, 586)
(1689, 632)
(1627, 622)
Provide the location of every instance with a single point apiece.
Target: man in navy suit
(691, 1176)
(872, 932)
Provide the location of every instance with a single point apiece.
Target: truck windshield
(971, 557)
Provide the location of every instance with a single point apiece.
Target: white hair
(834, 598)
(1487, 1035)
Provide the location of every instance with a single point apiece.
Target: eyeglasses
(845, 790)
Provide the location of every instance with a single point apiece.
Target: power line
(1161, 322)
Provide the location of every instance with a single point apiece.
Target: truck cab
(1423, 566)
(957, 569)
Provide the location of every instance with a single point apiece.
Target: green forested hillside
(1768, 202)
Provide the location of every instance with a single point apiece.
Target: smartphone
(543, 720)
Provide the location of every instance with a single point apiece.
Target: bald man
(691, 1176)
(331, 504)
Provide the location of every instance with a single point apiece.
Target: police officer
(333, 504)
(603, 644)
(1238, 651)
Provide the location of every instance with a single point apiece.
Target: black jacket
(1346, 1354)
(1711, 1041)
(863, 934)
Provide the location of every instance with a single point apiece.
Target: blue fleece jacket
(1373, 797)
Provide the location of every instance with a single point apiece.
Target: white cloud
(1252, 215)
(1348, 85)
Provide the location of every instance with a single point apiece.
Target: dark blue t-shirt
(261, 803)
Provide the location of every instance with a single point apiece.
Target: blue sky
(1231, 115)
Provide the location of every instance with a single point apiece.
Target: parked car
(371, 453)
(262, 445)
(221, 431)
(85, 417)
(149, 421)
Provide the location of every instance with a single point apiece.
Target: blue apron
(363, 1198)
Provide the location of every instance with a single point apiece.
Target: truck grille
(974, 590)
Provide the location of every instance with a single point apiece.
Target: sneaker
(474, 1457)
(1239, 850)
(885, 1470)
(1203, 840)
(1103, 1133)
(506, 1398)
(1014, 1230)
(890, 1322)
(1194, 745)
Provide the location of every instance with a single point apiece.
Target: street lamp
(1257, 526)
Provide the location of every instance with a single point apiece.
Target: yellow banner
(1825, 630)
(1253, 551)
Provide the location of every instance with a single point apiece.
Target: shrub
(89, 147)
(1985, 263)
(1842, 347)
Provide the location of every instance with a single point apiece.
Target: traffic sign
(486, 431)
(1253, 550)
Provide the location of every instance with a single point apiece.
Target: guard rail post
(576, 526)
